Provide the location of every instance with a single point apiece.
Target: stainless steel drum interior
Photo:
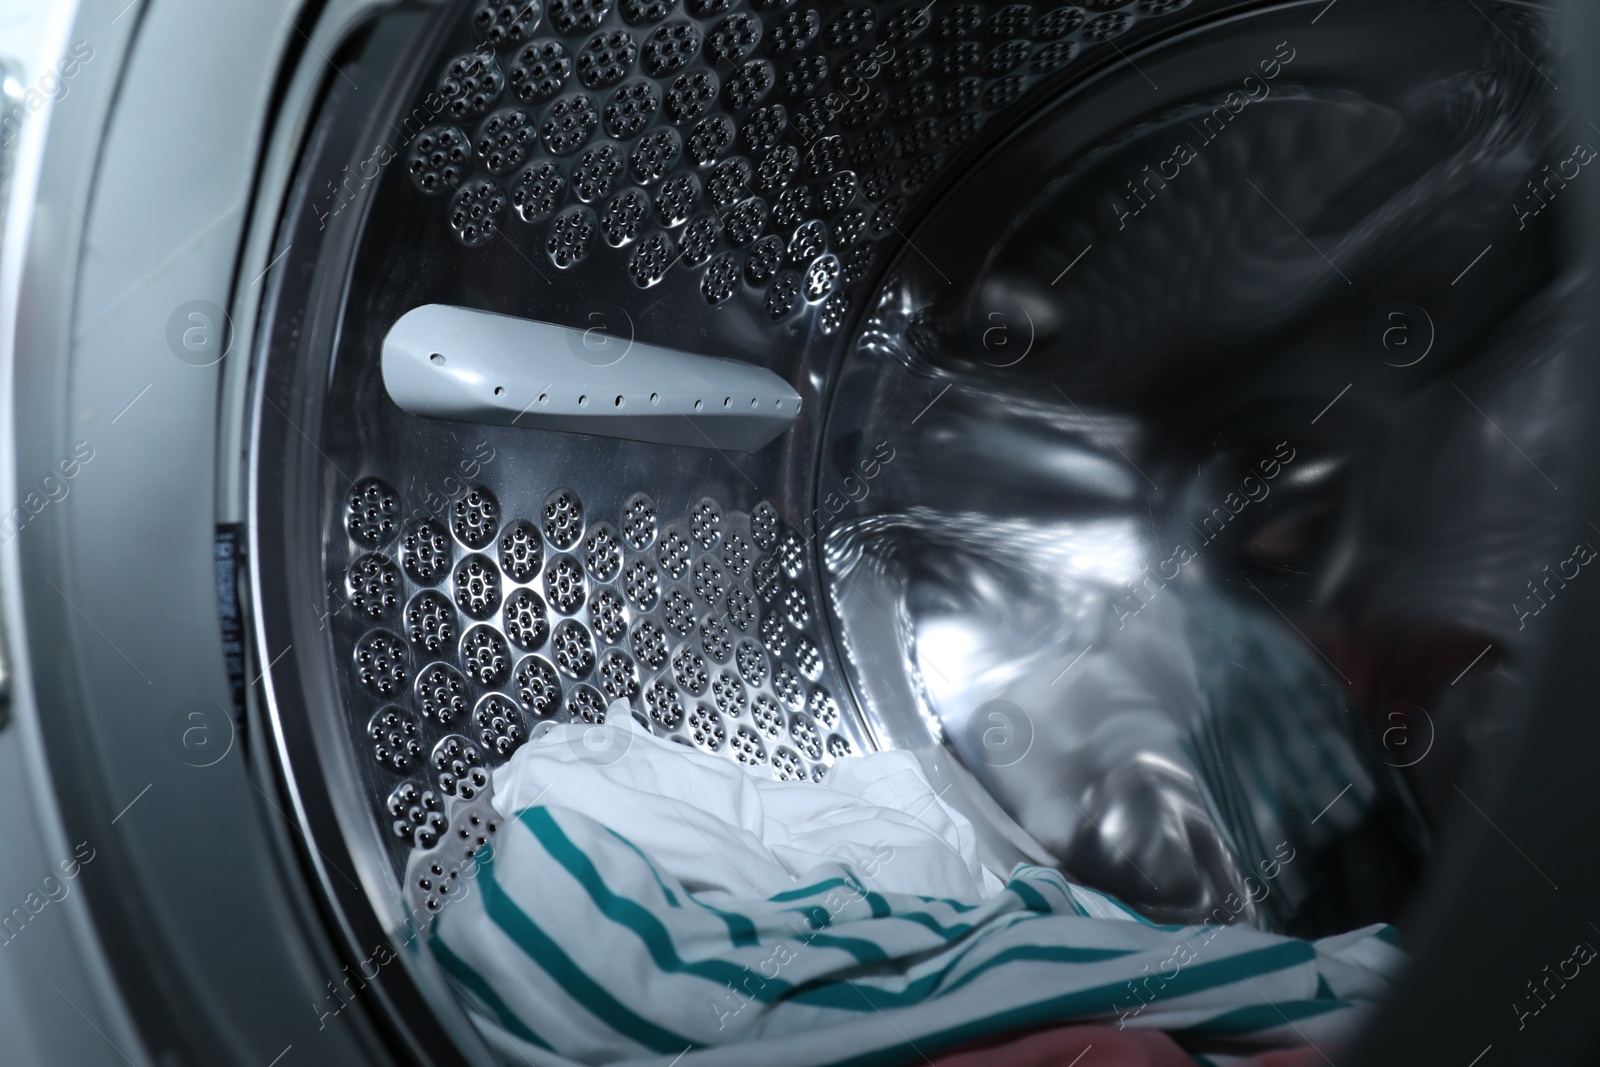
(1169, 377)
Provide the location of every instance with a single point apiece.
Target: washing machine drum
(1142, 411)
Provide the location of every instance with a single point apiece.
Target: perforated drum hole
(619, 401)
(437, 358)
(655, 398)
(583, 401)
(544, 398)
(727, 401)
(499, 390)
(698, 405)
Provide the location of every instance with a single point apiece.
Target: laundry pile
(644, 901)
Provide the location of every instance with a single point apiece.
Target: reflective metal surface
(470, 627)
(1063, 358)
(710, 180)
(1229, 419)
(1174, 423)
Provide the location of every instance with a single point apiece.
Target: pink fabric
(1101, 1046)
(1082, 1046)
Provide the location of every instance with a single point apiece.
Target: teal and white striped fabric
(580, 948)
(1280, 756)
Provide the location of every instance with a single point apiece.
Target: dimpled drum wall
(1181, 399)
